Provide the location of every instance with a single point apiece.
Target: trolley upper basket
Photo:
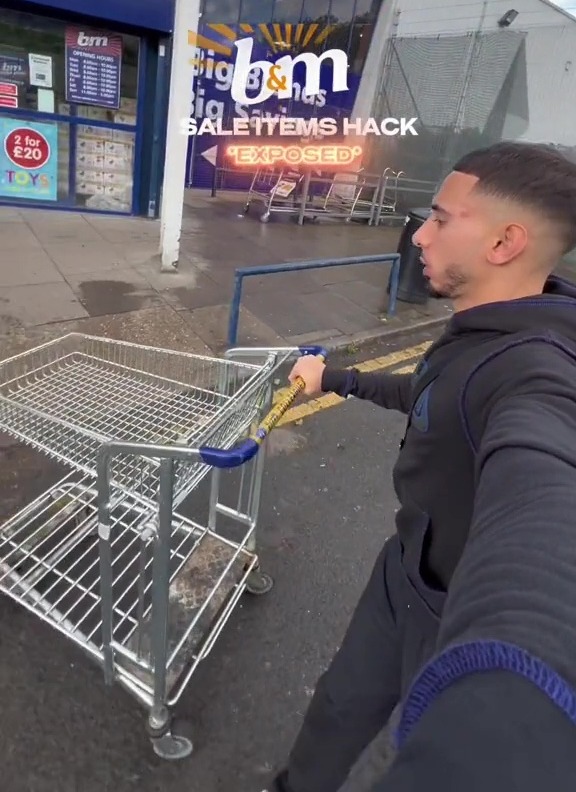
(70, 396)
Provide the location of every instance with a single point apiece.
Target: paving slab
(77, 256)
(333, 309)
(61, 232)
(288, 316)
(285, 284)
(17, 238)
(367, 297)
(39, 304)
(27, 266)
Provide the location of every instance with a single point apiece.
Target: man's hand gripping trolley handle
(234, 457)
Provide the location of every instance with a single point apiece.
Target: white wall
(432, 17)
(551, 67)
(550, 54)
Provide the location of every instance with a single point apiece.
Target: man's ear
(508, 245)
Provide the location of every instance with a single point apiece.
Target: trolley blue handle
(247, 450)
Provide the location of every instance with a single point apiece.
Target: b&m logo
(84, 40)
(278, 77)
(241, 65)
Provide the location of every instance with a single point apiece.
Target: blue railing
(246, 272)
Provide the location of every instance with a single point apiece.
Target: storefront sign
(28, 160)
(93, 67)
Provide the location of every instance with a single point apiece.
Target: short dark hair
(535, 175)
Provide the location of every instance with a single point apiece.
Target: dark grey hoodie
(486, 479)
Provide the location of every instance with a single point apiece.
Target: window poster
(28, 159)
(93, 67)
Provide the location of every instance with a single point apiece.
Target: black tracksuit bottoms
(391, 635)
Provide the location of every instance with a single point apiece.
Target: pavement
(63, 272)
(324, 516)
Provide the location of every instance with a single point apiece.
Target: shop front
(275, 28)
(75, 92)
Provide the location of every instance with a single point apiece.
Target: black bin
(412, 285)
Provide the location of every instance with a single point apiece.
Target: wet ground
(66, 272)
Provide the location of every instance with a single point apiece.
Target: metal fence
(475, 89)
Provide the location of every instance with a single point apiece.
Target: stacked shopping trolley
(104, 556)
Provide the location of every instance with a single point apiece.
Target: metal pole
(161, 582)
(106, 574)
(186, 17)
(235, 309)
(244, 272)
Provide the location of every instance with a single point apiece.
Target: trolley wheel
(265, 217)
(258, 583)
(175, 742)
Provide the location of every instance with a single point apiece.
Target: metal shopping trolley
(106, 556)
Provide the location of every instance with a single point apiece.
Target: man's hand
(311, 369)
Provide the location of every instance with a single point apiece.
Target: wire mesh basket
(70, 396)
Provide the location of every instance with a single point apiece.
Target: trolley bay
(324, 513)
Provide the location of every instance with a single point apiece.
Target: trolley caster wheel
(258, 583)
(175, 743)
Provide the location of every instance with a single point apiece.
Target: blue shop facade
(277, 28)
(83, 102)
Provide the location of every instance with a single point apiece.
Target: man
(469, 618)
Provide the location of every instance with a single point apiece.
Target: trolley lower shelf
(50, 563)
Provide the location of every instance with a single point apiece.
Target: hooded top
(486, 480)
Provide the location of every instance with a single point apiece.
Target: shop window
(316, 10)
(257, 12)
(360, 39)
(343, 11)
(288, 10)
(35, 57)
(104, 168)
(224, 11)
(89, 75)
(367, 10)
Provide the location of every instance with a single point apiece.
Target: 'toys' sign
(27, 148)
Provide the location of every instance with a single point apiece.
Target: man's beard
(435, 294)
(454, 280)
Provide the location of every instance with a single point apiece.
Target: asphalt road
(327, 506)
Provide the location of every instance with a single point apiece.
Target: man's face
(456, 238)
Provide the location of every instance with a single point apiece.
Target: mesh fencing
(472, 90)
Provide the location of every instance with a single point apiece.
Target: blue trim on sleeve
(461, 660)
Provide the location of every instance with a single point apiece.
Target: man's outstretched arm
(496, 708)
(391, 391)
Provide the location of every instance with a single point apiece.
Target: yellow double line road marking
(313, 406)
